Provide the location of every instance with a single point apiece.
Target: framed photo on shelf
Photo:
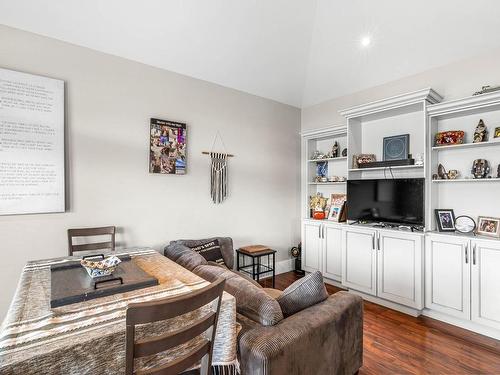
(362, 158)
(337, 207)
(396, 147)
(445, 220)
(488, 226)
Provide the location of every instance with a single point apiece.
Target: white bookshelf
(322, 140)
(465, 195)
(369, 124)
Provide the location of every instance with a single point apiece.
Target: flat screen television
(398, 201)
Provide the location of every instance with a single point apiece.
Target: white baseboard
(465, 324)
(284, 266)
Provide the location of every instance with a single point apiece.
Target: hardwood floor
(396, 343)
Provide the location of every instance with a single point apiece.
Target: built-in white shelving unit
(448, 276)
(322, 140)
(466, 196)
(369, 124)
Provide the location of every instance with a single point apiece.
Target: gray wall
(109, 103)
(452, 81)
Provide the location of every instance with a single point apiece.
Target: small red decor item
(318, 215)
(452, 137)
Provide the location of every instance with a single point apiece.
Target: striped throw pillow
(303, 293)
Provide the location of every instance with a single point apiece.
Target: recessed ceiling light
(365, 41)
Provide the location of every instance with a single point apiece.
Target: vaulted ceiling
(299, 52)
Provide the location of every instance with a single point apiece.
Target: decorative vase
(318, 215)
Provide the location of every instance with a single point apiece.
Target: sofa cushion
(225, 243)
(184, 256)
(303, 293)
(251, 300)
(274, 293)
(210, 250)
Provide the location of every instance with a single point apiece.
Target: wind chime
(218, 172)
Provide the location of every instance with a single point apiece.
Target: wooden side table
(256, 268)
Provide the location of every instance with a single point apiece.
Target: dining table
(88, 337)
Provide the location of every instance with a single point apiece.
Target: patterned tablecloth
(89, 337)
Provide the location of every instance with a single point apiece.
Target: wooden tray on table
(70, 282)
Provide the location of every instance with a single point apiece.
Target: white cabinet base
(462, 323)
(389, 304)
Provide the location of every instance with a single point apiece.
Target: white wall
(451, 81)
(109, 101)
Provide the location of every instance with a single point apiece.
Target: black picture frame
(445, 220)
(396, 147)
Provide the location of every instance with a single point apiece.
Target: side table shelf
(256, 268)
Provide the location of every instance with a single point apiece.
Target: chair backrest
(89, 232)
(150, 312)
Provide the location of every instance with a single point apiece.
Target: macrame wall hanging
(218, 172)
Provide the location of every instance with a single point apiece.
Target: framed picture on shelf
(445, 220)
(337, 207)
(396, 147)
(488, 226)
(362, 158)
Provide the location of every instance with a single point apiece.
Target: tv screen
(390, 201)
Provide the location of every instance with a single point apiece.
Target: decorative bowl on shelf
(452, 137)
(100, 268)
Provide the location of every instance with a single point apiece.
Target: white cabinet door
(447, 275)
(311, 246)
(359, 260)
(400, 268)
(486, 283)
(332, 252)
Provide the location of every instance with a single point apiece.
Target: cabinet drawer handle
(466, 254)
(373, 242)
(319, 231)
(378, 242)
(474, 255)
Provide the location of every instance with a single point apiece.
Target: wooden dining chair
(150, 312)
(91, 232)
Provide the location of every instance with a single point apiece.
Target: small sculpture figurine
(442, 172)
(344, 152)
(317, 155)
(419, 159)
(453, 174)
(481, 134)
(335, 150)
(480, 168)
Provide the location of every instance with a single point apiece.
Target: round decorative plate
(395, 149)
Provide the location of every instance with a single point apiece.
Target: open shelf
(493, 179)
(467, 145)
(386, 168)
(328, 159)
(327, 183)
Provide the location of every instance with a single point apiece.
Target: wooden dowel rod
(208, 153)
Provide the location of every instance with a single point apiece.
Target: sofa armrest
(326, 338)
